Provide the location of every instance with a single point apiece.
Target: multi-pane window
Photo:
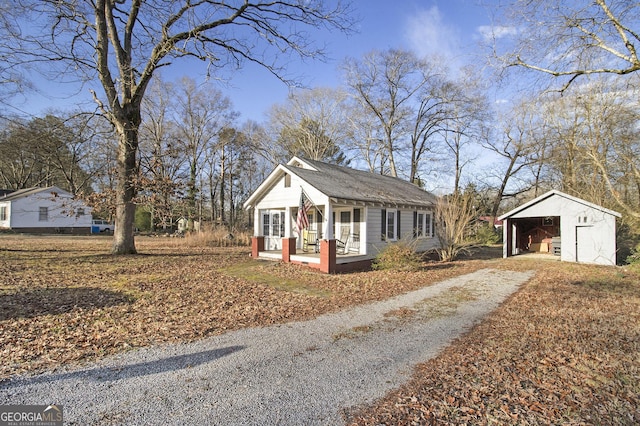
(273, 224)
(389, 225)
(277, 228)
(265, 225)
(420, 225)
(43, 214)
(423, 225)
(3, 213)
(428, 229)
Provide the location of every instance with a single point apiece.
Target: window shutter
(398, 225)
(383, 225)
(415, 224)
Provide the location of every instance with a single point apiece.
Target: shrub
(634, 258)
(400, 255)
(487, 235)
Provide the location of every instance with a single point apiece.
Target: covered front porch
(328, 259)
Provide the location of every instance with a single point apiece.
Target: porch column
(328, 256)
(328, 214)
(256, 223)
(287, 223)
(288, 248)
(506, 238)
(257, 245)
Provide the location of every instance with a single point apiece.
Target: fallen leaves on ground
(565, 349)
(64, 300)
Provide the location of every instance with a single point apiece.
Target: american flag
(302, 220)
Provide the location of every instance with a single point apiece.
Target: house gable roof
(555, 192)
(344, 184)
(21, 193)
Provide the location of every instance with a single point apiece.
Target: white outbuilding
(561, 225)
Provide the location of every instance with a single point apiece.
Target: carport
(562, 225)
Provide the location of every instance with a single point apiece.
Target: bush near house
(399, 256)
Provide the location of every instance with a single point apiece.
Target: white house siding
(61, 212)
(6, 223)
(374, 231)
(281, 197)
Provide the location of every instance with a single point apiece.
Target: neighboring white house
(560, 224)
(360, 212)
(44, 210)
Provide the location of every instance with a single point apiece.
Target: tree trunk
(123, 239)
(222, 187)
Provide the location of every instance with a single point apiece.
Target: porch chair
(342, 245)
(310, 238)
(354, 243)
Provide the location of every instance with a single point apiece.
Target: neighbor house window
(3, 213)
(80, 212)
(43, 214)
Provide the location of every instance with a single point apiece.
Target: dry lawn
(565, 349)
(66, 300)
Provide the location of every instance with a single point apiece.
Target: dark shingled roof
(345, 183)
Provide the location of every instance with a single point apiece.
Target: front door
(273, 229)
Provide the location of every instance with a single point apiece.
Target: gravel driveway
(291, 374)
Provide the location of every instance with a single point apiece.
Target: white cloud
(428, 34)
(490, 33)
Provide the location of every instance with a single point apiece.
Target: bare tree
(161, 160)
(453, 221)
(201, 114)
(595, 148)
(124, 44)
(312, 123)
(571, 39)
(386, 85)
(517, 143)
(51, 150)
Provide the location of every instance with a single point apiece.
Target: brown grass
(66, 300)
(565, 349)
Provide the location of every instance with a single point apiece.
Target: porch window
(43, 214)
(273, 224)
(265, 225)
(277, 222)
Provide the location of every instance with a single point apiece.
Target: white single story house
(563, 225)
(351, 215)
(44, 210)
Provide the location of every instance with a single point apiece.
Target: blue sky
(451, 28)
(447, 27)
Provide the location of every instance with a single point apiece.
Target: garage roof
(555, 192)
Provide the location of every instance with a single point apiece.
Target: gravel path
(291, 374)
